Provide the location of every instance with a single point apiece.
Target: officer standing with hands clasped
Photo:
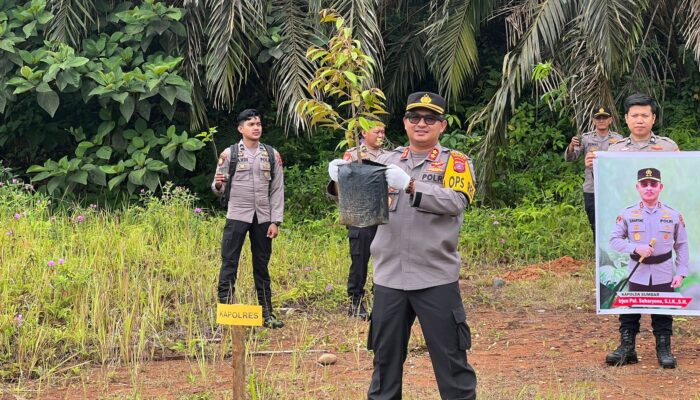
(638, 227)
(250, 181)
(361, 238)
(595, 140)
(416, 263)
(640, 116)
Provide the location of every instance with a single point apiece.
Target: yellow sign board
(239, 314)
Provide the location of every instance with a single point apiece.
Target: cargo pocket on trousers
(464, 334)
(354, 236)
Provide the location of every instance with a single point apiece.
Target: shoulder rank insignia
(680, 219)
(458, 175)
(434, 153)
(619, 219)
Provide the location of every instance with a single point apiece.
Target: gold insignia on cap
(602, 110)
(426, 99)
(648, 172)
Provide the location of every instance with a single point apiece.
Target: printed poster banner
(621, 214)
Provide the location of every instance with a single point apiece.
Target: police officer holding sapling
(250, 182)
(416, 263)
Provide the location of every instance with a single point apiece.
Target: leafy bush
(121, 73)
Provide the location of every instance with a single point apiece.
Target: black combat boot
(265, 300)
(663, 352)
(270, 320)
(357, 308)
(625, 353)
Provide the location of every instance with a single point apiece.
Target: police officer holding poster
(634, 230)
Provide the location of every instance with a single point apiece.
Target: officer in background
(596, 140)
(416, 262)
(634, 230)
(640, 116)
(255, 207)
(361, 238)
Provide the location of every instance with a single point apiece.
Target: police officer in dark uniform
(361, 238)
(416, 263)
(255, 206)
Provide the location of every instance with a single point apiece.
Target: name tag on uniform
(458, 175)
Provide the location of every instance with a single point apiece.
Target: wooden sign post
(238, 316)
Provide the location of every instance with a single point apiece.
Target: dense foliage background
(99, 100)
(112, 115)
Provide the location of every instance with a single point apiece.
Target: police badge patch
(458, 175)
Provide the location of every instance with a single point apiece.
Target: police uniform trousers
(261, 248)
(360, 240)
(661, 324)
(589, 206)
(443, 321)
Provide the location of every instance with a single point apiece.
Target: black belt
(657, 259)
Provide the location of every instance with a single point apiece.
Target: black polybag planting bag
(363, 194)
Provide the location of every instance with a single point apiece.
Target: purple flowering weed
(197, 210)
(51, 263)
(80, 219)
(61, 261)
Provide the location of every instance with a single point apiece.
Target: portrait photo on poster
(647, 233)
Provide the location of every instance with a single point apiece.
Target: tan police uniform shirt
(590, 141)
(417, 249)
(253, 192)
(655, 143)
(366, 152)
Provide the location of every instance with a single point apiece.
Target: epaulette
(398, 149)
(616, 143)
(634, 206)
(666, 206)
(667, 139)
(457, 153)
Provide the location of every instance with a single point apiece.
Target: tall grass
(123, 286)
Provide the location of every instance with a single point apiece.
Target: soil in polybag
(363, 194)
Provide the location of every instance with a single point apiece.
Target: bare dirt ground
(518, 353)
